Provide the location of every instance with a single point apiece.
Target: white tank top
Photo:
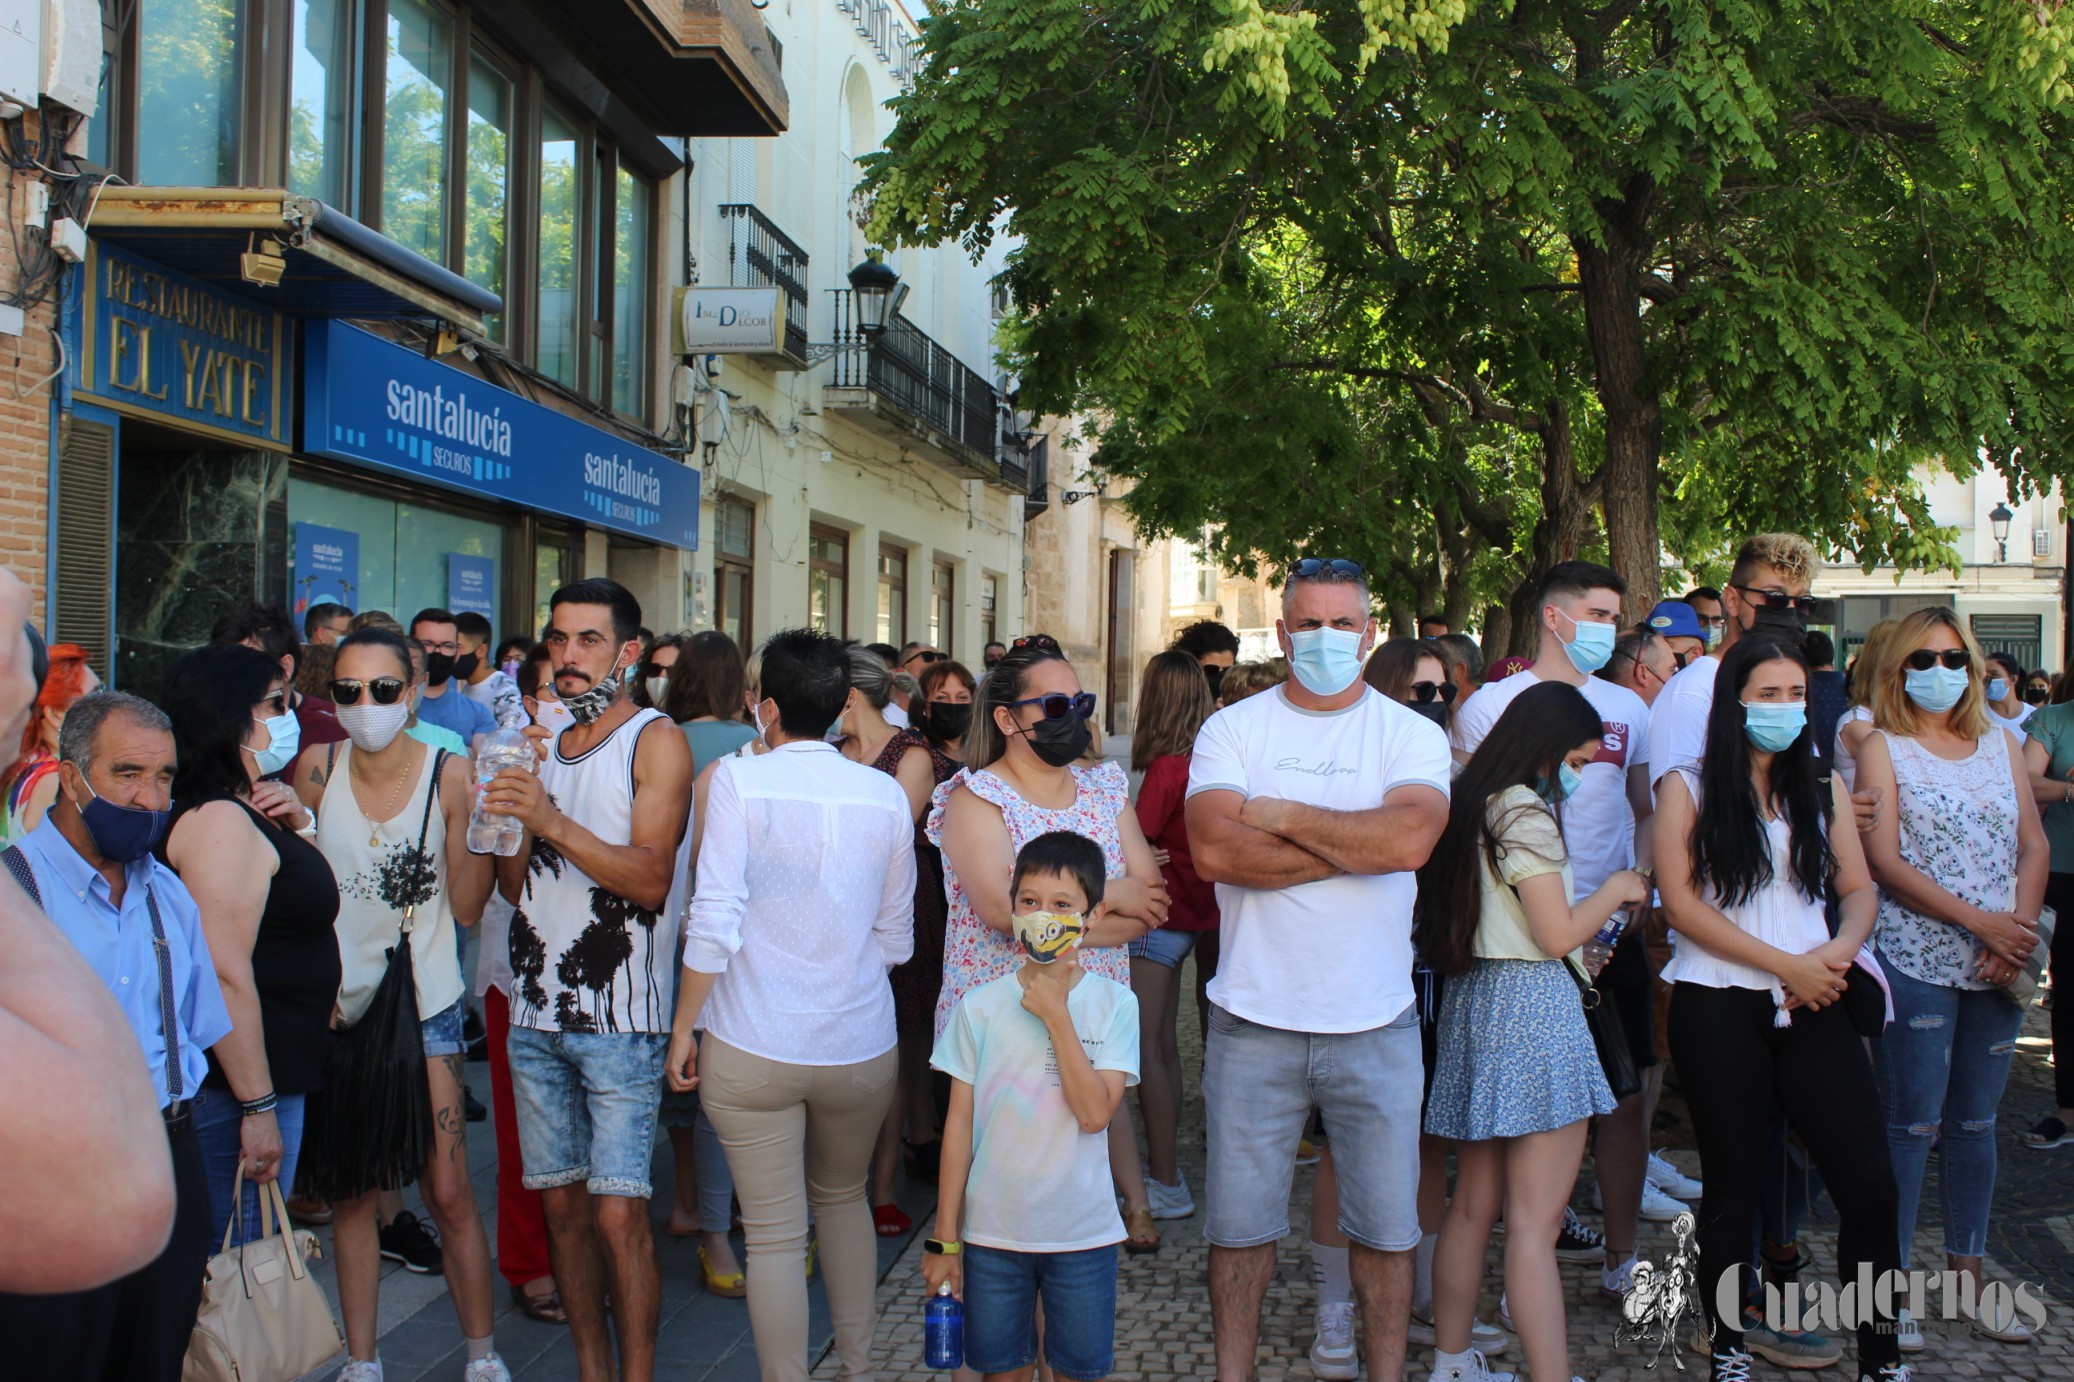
(375, 884)
(584, 959)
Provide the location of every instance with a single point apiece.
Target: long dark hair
(1006, 682)
(209, 695)
(707, 680)
(1524, 749)
(1730, 847)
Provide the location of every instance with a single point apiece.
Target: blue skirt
(1514, 1055)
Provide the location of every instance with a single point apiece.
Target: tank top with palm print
(584, 959)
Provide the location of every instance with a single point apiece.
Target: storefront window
(892, 622)
(558, 246)
(989, 626)
(828, 581)
(320, 99)
(630, 295)
(404, 545)
(489, 179)
(416, 102)
(554, 566)
(942, 616)
(189, 67)
(734, 557)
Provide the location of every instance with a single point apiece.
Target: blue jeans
(218, 1122)
(1941, 1068)
(1162, 946)
(586, 1105)
(1079, 1293)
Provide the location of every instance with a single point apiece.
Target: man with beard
(594, 959)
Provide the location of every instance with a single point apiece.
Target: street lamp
(878, 294)
(1998, 523)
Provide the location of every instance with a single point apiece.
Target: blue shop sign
(373, 402)
(161, 345)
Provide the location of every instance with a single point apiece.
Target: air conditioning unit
(72, 54)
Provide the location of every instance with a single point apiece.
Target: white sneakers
(1908, 1331)
(1333, 1358)
(357, 1371)
(1670, 1179)
(1470, 1367)
(1614, 1281)
(490, 1369)
(1484, 1338)
(1656, 1205)
(1168, 1201)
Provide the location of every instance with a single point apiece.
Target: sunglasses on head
(1923, 659)
(1310, 568)
(385, 690)
(1779, 599)
(1057, 705)
(1424, 692)
(1044, 642)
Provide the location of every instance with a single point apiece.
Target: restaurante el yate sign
(160, 344)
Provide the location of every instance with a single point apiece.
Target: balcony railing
(930, 387)
(759, 255)
(1037, 495)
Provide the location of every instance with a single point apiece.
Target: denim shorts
(1079, 1292)
(586, 1106)
(1162, 946)
(1259, 1087)
(442, 1032)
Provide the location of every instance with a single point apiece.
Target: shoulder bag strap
(425, 829)
(168, 1020)
(18, 865)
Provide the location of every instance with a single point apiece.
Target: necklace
(374, 840)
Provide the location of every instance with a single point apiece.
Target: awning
(334, 266)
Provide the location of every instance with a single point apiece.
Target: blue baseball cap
(1676, 619)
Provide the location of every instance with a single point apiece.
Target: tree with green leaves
(1518, 277)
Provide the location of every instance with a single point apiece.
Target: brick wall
(26, 364)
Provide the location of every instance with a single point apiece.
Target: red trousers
(521, 1226)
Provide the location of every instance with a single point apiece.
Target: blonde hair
(1873, 655)
(1790, 554)
(1251, 678)
(1894, 712)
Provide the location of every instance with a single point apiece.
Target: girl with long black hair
(1750, 845)
(1516, 1078)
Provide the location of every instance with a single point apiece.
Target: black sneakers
(408, 1240)
(1579, 1242)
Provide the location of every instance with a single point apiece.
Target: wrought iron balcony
(1037, 495)
(907, 387)
(759, 255)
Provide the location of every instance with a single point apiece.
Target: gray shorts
(1259, 1087)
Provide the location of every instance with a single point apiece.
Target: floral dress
(974, 952)
(1958, 826)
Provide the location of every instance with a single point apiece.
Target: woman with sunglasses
(374, 802)
(1022, 779)
(267, 901)
(1961, 863)
(1173, 701)
(652, 686)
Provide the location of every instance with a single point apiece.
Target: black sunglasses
(385, 690)
(1424, 692)
(650, 669)
(1778, 599)
(1923, 659)
(278, 702)
(1311, 568)
(1057, 705)
(926, 655)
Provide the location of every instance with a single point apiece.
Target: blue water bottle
(943, 1330)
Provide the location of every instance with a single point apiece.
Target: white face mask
(372, 727)
(554, 716)
(656, 686)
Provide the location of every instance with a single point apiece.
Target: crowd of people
(830, 912)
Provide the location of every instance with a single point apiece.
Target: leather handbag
(263, 1318)
(1609, 1037)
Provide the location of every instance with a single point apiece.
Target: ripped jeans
(1941, 1069)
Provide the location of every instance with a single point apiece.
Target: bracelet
(265, 1103)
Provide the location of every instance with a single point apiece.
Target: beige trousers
(800, 1137)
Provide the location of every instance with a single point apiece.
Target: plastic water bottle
(506, 748)
(1599, 948)
(943, 1330)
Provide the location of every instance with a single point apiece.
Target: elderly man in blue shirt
(89, 865)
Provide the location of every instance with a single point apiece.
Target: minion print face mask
(1045, 936)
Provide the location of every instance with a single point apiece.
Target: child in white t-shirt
(1039, 1059)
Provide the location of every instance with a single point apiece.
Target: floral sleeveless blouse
(1958, 825)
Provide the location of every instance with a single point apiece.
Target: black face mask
(1788, 622)
(465, 665)
(1436, 711)
(1061, 741)
(438, 667)
(2037, 695)
(1215, 676)
(946, 721)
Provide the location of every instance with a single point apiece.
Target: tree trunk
(1610, 280)
(1558, 533)
(1497, 632)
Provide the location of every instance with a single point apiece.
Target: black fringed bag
(370, 1126)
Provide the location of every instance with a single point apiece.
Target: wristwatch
(939, 1248)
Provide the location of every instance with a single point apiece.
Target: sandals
(890, 1220)
(2047, 1133)
(547, 1307)
(1141, 1234)
(733, 1285)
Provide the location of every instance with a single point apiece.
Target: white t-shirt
(1332, 955)
(1598, 822)
(1038, 1183)
(1678, 720)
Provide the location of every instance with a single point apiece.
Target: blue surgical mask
(285, 738)
(121, 833)
(1998, 690)
(1936, 689)
(1774, 725)
(1592, 646)
(1326, 661)
(1568, 780)
(1711, 636)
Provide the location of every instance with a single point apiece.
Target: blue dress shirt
(459, 712)
(117, 945)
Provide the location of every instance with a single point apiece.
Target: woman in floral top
(1029, 726)
(1961, 863)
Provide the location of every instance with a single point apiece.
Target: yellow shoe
(733, 1285)
(1306, 1152)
